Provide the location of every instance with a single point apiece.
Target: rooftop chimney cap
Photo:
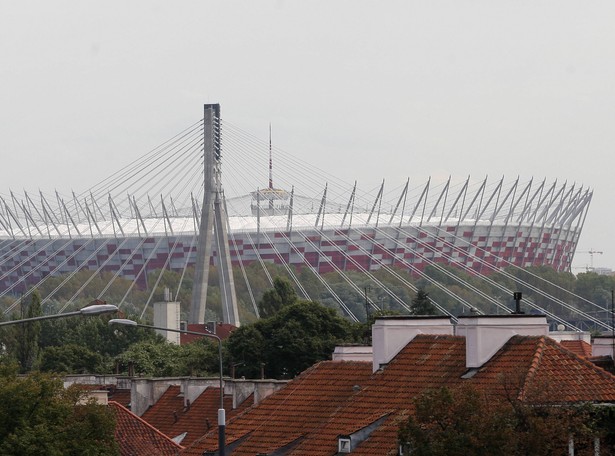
(414, 317)
(503, 316)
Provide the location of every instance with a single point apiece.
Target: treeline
(292, 334)
(296, 335)
(585, 291)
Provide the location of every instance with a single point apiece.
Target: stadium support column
(213, 227)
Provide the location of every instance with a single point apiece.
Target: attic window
(343, 445)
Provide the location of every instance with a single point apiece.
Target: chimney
(167, 315)
(562, 334)
(392, 333)
(352, 352)
(486, 334)
(603, 345)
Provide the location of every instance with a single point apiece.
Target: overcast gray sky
(398, 88)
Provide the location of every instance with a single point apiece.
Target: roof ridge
(142, 421)
(583, 360)
(438, 336)
(534, 364)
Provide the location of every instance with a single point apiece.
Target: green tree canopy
(421, 304)
(273, 300)
(465, 420)
(296, 337)
(39, 417)
(158, 358)
(71, 359)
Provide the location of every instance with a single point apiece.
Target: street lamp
(221, 411)
(94, 309)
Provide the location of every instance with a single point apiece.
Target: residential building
(356, 407)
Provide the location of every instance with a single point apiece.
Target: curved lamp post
(95, 309)
(221, 411)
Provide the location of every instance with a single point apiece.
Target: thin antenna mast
(270, 161)
(271, 193)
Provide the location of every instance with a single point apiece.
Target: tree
(466, 420)
(421, 304)
(273, 300)
(26, 335)
(80, 345)
(455, 422)
(158, 358)
(72, 359)
(296, 337)
(246, 346)
(39, 417)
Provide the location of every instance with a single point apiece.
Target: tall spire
(270, 160)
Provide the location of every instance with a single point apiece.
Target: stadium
(147, 217)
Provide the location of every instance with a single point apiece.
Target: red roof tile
(311, 412)
(293, 412)
(136, 437)
(173, 418)
(223, 331)
(166, 410)
(579, 347)
(566, 377)
(121, 396)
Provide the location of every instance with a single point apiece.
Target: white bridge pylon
(213, 228)
(168, 211)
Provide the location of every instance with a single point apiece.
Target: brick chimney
(486, 334)
(392, 333)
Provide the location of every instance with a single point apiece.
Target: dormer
(346, 444)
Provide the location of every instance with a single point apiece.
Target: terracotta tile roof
(201, 416)
(121, 396)
(321, 404)
(136, 437)
(427, 362)
(173, 418)
(246, 404)
(223, 331)
(163, 413)
(303, 405)
(579, 347)
(566, 377)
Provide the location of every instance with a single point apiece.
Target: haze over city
(366, 90)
